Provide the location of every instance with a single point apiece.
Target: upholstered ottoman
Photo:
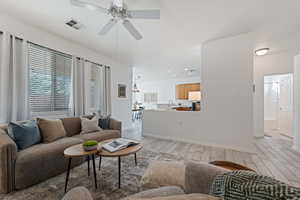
(163, 173)
(194, 179)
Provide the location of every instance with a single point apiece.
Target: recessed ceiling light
(186, 69)
(262, 52)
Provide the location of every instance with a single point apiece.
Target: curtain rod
(2, 32)
(102, 65)
(50, 48)
(94, 63)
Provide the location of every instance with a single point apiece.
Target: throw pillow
(88, 116)
(244, 184)
(51, 130)
(25, 134)
(89, 125)
(104, 122)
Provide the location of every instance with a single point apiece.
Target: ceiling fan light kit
(118, 11)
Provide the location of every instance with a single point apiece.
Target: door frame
(292, 88)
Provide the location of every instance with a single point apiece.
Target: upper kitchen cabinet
(182, 90)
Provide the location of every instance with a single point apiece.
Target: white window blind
(50, 81)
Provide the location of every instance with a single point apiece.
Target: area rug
(107, 179)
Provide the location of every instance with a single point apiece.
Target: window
(50, 81)
(150, 98)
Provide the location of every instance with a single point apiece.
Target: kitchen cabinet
(182, 90)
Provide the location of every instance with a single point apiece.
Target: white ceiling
(174, 41)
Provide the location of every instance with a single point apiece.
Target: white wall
(279, 63)
(121, 107)
(296, 127)
(226, 119)
(166, 89)
(120, 73)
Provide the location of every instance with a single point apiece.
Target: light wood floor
(274, 155)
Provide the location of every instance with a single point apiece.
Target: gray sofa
(21, 169)
(197, 183)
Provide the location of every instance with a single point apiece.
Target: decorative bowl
(90, 145)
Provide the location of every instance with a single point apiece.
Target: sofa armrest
(78, 193)
(115, 125)
(8, 154)
(200, 176)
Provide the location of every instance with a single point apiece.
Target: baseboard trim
(200, 143)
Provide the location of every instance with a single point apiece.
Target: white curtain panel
(14, 103)
(98, 91)
(81, 88)
(78, 90)
(106, 91)
(87, 86)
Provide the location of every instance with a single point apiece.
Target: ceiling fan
(118, 11)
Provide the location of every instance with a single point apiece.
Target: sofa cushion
(25, 134)
(89, 125)
(72, 125)
(100, 135)
(51, 130)
(115, 124)
(163, 173)
(42, 161)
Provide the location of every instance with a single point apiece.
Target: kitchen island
(193, 127)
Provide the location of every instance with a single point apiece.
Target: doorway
(278, 105)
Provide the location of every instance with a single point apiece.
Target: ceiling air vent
(74, 24)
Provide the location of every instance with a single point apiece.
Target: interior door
(285, 115)
(271, 105)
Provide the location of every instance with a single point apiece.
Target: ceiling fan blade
(108, 26)
(132, 30)
(89, 4)
(144, 14)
